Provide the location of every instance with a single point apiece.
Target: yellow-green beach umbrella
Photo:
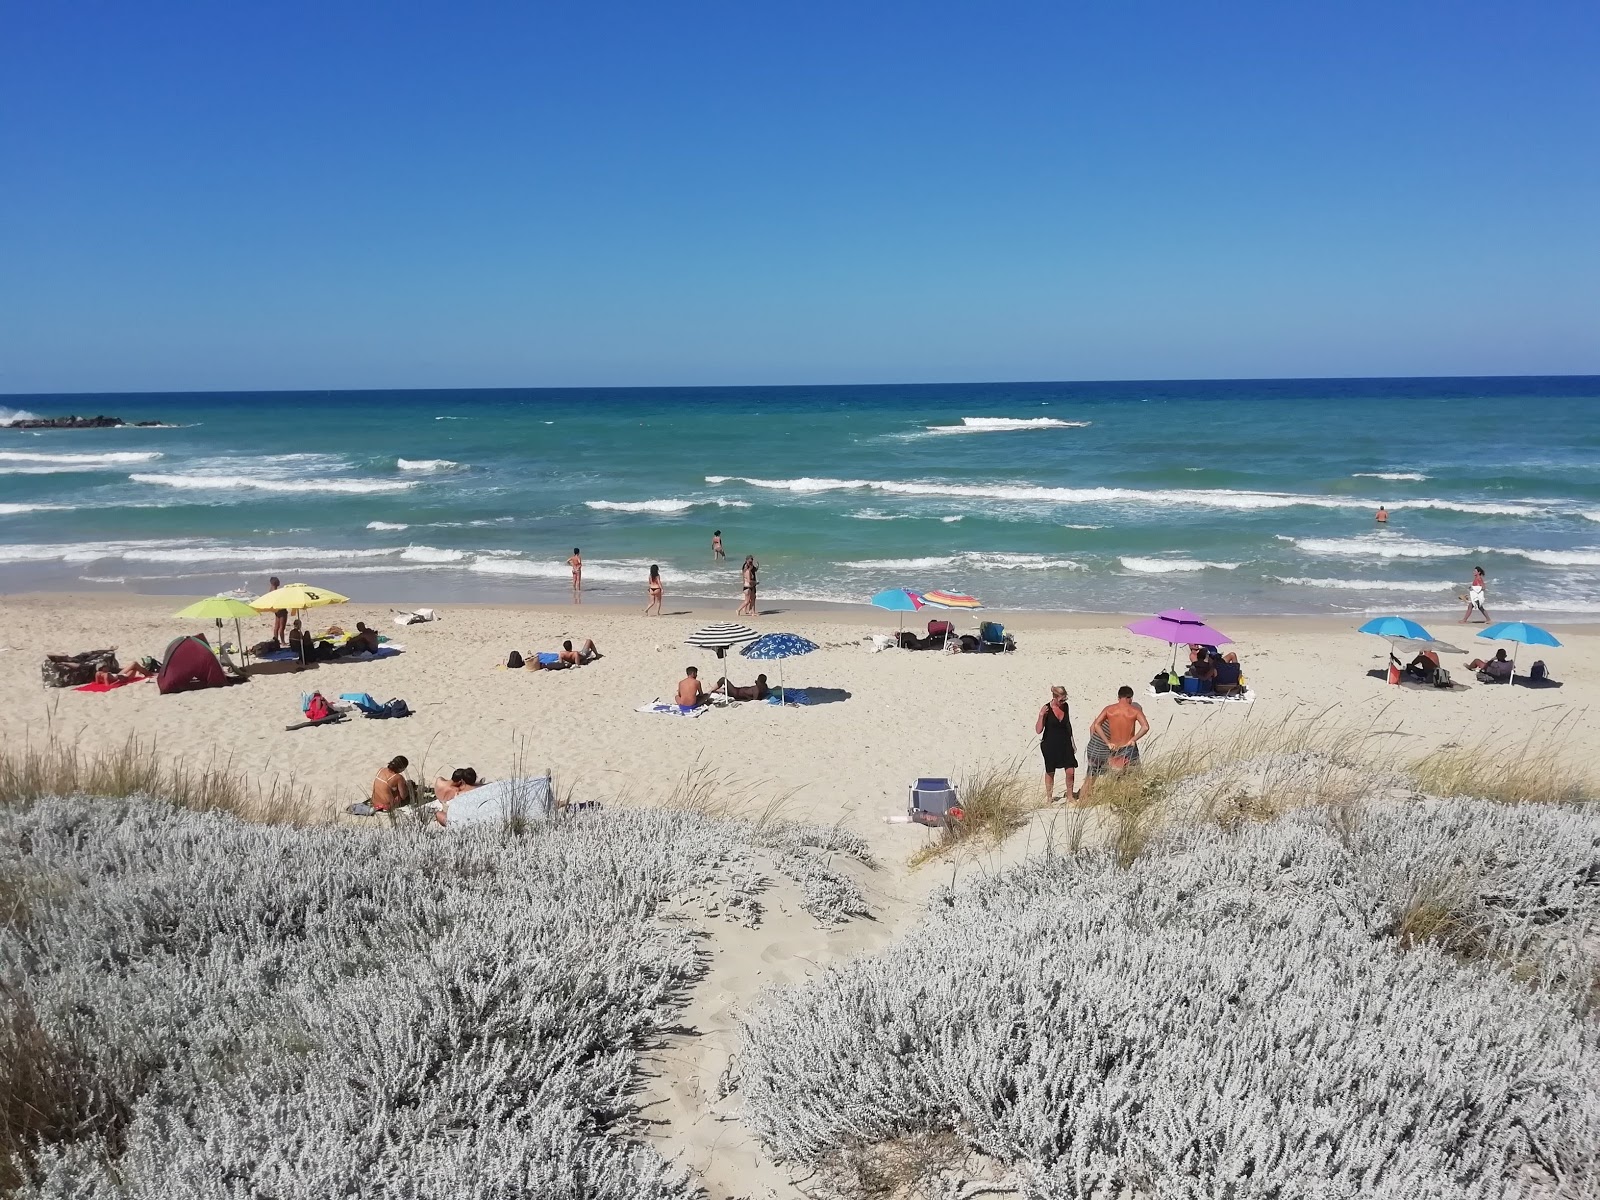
(297, 596)
(219, 609)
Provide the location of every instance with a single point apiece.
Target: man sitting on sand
(755, 691)
(462, 779)
(1114, 738)
(390, 789)
(362, 641)
(578, 658)
(690, 693)
(1423, 666)
(1499, 666)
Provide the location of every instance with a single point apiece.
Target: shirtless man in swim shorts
(578, 658)
(1114, 739)
(690, 693)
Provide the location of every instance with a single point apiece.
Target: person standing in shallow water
(1383, 515)
(1055, 729)
(576, 563)
(716, 545)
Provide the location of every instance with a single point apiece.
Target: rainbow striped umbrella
(950, 600)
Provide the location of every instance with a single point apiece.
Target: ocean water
(1228, 497)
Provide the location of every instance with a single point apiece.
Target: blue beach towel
(547, 659)
(795, 696)
(669, 710)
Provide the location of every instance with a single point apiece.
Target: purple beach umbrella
(1179, 627)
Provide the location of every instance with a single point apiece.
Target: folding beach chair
(933, 802)
(993, 636)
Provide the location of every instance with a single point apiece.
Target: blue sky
(392, 194)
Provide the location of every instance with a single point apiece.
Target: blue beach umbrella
(1520, 633)
(899, 600)
(1396, 627)
(779, 646)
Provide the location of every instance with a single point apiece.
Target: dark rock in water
(75, 422)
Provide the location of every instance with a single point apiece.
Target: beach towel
(548, 658)
(794, 696)
(107, 687)
(1247, 696)
(670, 710)
(494, 803)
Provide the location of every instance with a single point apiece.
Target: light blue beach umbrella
(777, 647)
(1519, 633)
(898, 600)
(1396, 627)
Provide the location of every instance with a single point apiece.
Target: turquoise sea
(1229, 497)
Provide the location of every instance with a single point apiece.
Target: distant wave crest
(229, 482)
(13, 510)
(1006, 425)
(387, 525)
(1396, 476)
(1380, 545)
(115, 458)
(1173, 497)
(660, 506)
(1368, 585)
(967, 560)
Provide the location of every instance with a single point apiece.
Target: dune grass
(1540, 769)
(995, 802)
(54, 766)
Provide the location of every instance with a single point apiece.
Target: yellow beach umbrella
(297, 596)
(219, 609)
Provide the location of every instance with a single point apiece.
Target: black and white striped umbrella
(721, 636)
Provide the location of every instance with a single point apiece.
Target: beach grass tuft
(1546, 771)
(54, 766)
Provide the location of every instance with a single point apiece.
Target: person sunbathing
(690, 693)
(755, 691)
(390, 789)
(134, 670)
(362, 641)
(578, 658)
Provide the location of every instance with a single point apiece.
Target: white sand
(848, 761)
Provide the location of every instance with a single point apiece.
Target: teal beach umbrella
(1518, 633)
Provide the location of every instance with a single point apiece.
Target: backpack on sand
(514, 661)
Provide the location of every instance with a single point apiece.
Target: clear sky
(387, 194)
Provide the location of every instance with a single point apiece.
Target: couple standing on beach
(747, 575)
(1113, 741)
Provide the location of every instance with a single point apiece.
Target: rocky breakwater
(76, 422)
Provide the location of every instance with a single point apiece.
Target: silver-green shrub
(199, 1007)
(1233, 1016)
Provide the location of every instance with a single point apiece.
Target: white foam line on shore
(230, 482)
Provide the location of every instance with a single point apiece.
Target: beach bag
(1441, 678)
(1394, 673)
(396, 708)
(1160, 683)
(1538, 673)
(317, 708)
(940, 628)
(514, 661)
(75, 670)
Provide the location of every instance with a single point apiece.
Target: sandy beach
(890, 716)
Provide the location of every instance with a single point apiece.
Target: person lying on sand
(134, 670)
(390, 789)
(756, 691)
(579, 658)
(1114, 738)
(462, 779)
(690, 693)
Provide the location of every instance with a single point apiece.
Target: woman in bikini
(748, 571)
(655, 591)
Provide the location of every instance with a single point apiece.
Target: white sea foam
(1396, 476)
(1175, 497)
(868, 514)
(1586, 557)
(1378, 545)
(9, 416)
(1083, 527)
(949, 520)
(1005, 425)
(264, 484)
(426, 464)
(660, 506)
(81, 461)
(432, 554)
(12, 510)
(1592, 514)
(386, 525)
(594, 570)
(1368, 585)
(1167, 566)
(174, 551)
(967, 560)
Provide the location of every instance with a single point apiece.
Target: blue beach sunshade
(778, 645)
(1396, 627)
(1519, 631)
(898, 600)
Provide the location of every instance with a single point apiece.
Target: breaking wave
(1368, 585)
(1395, 476)
(1378, 546)
(1006, 425)
(112, 459)
(1167, 566)
(387, 525)
(660, 506)
(12, 510)
(228, 482)
(9, 416)
(966, 559)
(1174, 497)
(426, 464)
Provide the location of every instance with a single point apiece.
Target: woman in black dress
(1055, 729)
